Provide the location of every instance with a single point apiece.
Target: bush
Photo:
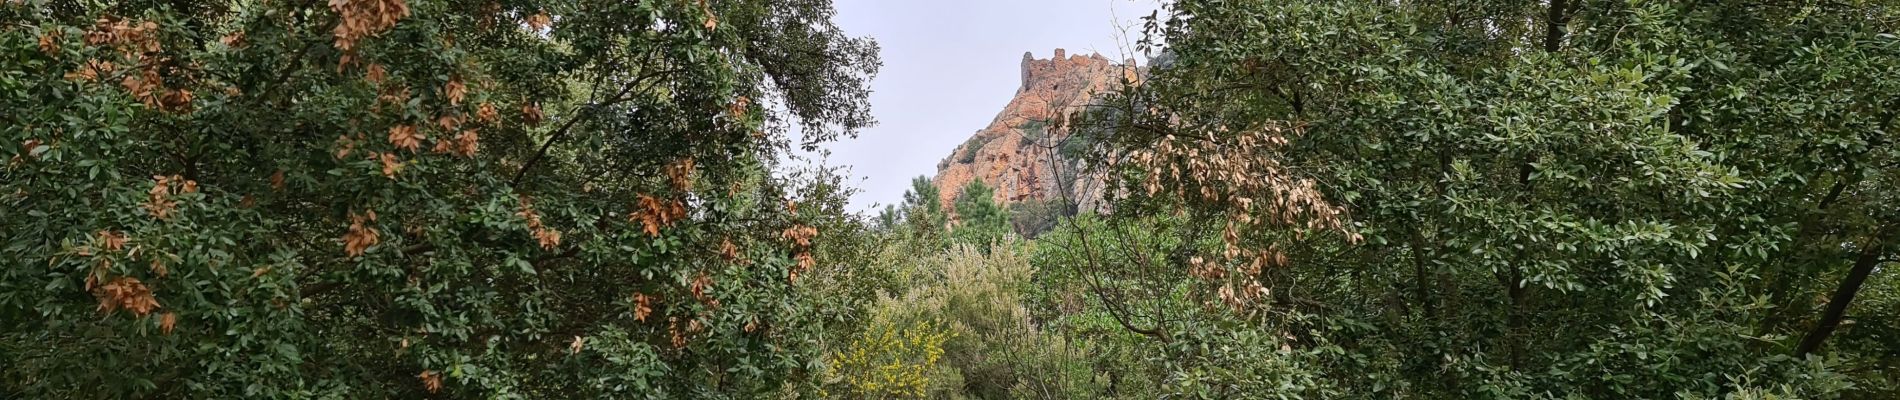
(996, 350)
(889, 361)
(1034, 131)
(970, 147)
(1031, 218)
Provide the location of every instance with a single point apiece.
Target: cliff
(1013, 153)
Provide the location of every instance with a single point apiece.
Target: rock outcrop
(1014, 153)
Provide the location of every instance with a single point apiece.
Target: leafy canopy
(393, 198)
(1496, 199)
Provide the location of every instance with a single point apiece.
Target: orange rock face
(1016, 153)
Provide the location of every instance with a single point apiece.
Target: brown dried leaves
(431, 380)
(49, 42)
(393, 95)
(653, 214)
(344, 146)
(455, 91)
(728, 251)
(137, 43)
(801, 237)
(464, 144)
(486, 113)
(1240, 295)
(680, 174)
(531, 113)
(391, 165)
(540, 21)
(233, 39)
(1240, 173)
(166, 322)
(467, 143)
(125, 35)
(111, 241)
(642, 306)
(680, 337)
(712, 21)
(376, 74)
(548, 238)
(702, 290)
(405, 137)
(30, 149)
(361, 19)
(159, 200)
(127, 293)
(149, 88)
(360, 235)
(90, 71)
(1237, 173)
(737, 110)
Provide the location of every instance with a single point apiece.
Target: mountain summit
(1016, 153)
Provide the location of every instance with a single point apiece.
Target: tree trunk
(1554, 25)
(1870, 256)
(1420, 279)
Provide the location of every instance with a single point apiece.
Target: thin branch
(585, 111)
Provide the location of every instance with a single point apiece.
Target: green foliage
(1034, 131)
(996, 351)
(1079, 144)
(980, 221)
(585, 199)
(970, 148)
(1031, 217)
(923, 214)
(1233, 360)
(1571, 199)
(437, 199)
(888, 217)
(923, 195)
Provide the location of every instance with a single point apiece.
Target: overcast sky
(951, 65)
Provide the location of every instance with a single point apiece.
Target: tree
(923, 195)
(980, 221)
(924, 215)
(889, 216)
(393, 198)
(1508, 199)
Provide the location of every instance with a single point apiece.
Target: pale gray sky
(951, 65)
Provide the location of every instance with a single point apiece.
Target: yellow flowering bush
(889, 360)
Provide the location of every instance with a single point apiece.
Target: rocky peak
(1010, 154)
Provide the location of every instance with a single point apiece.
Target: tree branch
(586, 110)
(1843, 296)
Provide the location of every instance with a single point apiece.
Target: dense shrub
(1031, 218)
(996, 350)
(887, 361)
